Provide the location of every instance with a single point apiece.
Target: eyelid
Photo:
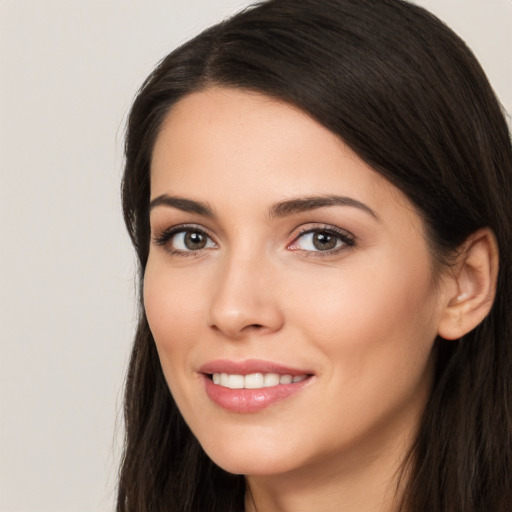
(167, 234)
(346, 237)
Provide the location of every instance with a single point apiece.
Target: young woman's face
(288, 288)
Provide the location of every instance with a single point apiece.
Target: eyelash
(347, 240)
(167, 235)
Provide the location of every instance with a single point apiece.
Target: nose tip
(236, 327)
(238, 323)
(245, 303)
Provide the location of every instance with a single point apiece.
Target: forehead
(257, 149)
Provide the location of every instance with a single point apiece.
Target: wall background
(69, 70)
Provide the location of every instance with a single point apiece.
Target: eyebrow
(278, 210)
(180, 203)
(304, 204)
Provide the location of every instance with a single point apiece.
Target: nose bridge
(244, 298)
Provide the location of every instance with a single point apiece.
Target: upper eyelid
(164, 235)
(177, 228)
(304, 229)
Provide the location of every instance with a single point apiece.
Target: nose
(245, 299)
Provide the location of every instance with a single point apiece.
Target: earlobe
(475, 277)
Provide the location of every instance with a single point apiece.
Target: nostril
(253, 327)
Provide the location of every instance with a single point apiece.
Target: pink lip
(250, 366)
(250, 400)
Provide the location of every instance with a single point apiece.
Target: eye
(327, 240)
(185, 240)
(191, 241)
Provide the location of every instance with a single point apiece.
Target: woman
(318, 193)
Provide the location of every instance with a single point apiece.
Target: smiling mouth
(254, 380)
(251, 386)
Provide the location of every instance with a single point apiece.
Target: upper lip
(249, 366)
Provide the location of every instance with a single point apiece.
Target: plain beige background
(68, 72)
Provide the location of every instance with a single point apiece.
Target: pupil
(194, 240)
(324, 241)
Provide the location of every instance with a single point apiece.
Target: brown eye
(324, 241)
(182, 241)
(194, 240)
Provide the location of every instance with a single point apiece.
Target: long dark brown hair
(406, 94)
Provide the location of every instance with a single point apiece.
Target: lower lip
(250, 400)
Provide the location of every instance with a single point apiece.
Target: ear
(469, 299)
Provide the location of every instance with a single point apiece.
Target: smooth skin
(241, 267)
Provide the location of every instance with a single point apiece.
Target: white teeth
(254, 380)
(236, 381)
(271, 379)
(224, 379)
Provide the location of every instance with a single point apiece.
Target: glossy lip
(250, 400)
(250, 366)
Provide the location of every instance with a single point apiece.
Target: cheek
(173, 311)
(371, 322)
(375, 331)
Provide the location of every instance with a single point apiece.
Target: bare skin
(246, 263)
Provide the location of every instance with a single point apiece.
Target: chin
(240, 465)
(253, 458)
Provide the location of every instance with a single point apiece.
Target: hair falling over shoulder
(409, 98)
